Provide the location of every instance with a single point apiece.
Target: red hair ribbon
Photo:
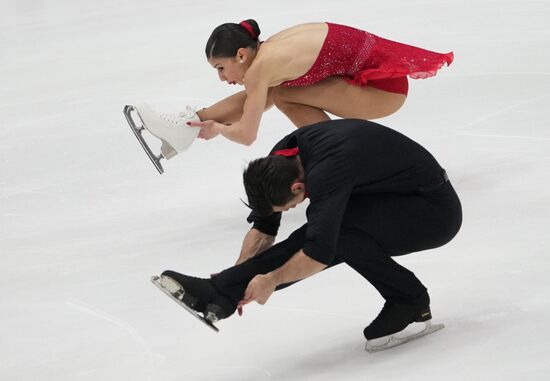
(289, 152)
(248, 28)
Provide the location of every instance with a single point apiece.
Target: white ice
(85, 219)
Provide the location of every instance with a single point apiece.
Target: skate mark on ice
(469, 126)
(509, 163)
(316, 312)
(540, 138)
(93, 311)
(241, 373)
(12, 191)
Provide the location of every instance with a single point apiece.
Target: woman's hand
(209, 128)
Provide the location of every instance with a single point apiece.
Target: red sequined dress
(368, 60)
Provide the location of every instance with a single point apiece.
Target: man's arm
(298, 267)
(254, 242)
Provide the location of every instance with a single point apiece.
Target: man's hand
(259, 289)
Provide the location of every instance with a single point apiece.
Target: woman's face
(230, 70)
(233, 69)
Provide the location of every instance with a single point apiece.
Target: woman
(305, 71)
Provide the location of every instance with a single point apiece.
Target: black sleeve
(331, 183)
(266, 224)
(324, 219)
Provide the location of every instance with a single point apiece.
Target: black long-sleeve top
(349, 157)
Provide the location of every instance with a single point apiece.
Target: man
(373, 194)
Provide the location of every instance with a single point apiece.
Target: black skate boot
(396, 316)
(200, 295)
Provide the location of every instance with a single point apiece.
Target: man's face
(299, 193)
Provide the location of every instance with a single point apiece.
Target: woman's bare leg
(230, 109)
(299, 114)
(305, 105)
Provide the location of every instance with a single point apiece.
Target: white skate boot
(171, 129)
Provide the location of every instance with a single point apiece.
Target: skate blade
(390, 341)
(173, 289)
(167, 150)
(155, 159)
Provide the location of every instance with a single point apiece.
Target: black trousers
(375, 227)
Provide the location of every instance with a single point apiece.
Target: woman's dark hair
(227, 38)
(267, 182)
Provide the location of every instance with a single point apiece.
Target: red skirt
(390, 59)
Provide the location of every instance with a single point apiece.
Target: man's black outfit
(374, 194)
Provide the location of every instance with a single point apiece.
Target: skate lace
(176, 119)
(189, 113)
(170, 118)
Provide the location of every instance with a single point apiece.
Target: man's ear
(297, 186)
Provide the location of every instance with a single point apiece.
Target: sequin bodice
(361, 57)
(342, 53)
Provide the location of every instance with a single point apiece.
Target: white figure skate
(171, 129)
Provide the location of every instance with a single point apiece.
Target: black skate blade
(390, 341)
(156, 281)
(137, 132)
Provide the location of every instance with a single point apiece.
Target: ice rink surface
(85, 219)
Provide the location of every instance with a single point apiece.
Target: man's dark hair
(227, 38)
(267, 182)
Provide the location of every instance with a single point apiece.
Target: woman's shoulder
(297, 30)
(288, 54)
(294, 41)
